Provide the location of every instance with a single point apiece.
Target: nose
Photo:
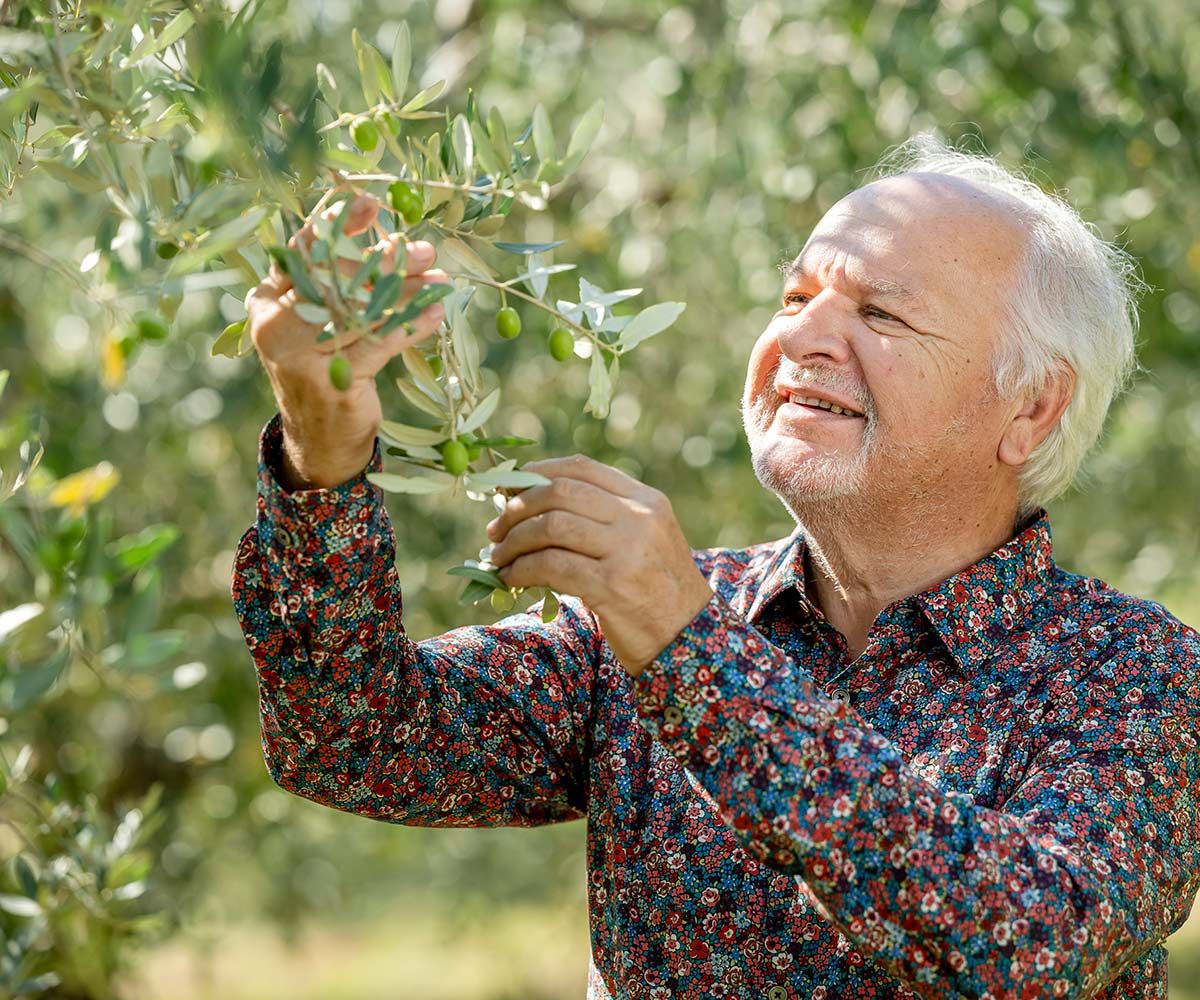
(819, 331)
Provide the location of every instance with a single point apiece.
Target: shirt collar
(974, 610)
(971, 611)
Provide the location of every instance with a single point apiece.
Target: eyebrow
(793, 270)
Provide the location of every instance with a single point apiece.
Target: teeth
(823, 404)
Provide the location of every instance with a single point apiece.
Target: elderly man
(897, 752)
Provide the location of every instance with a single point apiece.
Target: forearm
(939, 890)
(357, 716)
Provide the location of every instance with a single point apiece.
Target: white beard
(818, 477)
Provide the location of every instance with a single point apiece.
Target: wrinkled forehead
(947, 240)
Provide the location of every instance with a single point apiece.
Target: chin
(800, 481)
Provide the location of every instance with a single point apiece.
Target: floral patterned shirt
(998, 798)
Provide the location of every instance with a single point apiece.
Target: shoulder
(1134, 647)
(1105, 613)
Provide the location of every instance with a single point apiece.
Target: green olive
(167, 250)
(150, 327)
(455, 457)
(562, 344)
(407, 200)
(128, 343)
(508, 323)
(502, 601)
(340, 373)
(365, 133)
(435, 365)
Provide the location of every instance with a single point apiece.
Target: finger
(554, 529)
(423, 327)
(575, 495)
(363, 209)
(588, 469)
(561, 570)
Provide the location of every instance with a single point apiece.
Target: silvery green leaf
(411, 451)
(231, 234)
(504, 477)
(422, 374)
(538, 274)
(175, 30)
(648, 322)
(582, 138)
(485, 153)
(549, 607)
(401, 60)
(310, 313)
(465, 346)
(481, 413)
(463, 143)
(543, 135)
(420, 400)
(329, 87)
(615, 324)
(474, 592)
(489, 577)
(405, 435)
(571, 310)
(465, 257)
(410, 484)
(601, 387)
(524, 248)
(366, 71)
(426, 96)
(589, 293)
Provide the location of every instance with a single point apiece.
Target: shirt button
(777, 993)
(673, 715)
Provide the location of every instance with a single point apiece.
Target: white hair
(1074, 301)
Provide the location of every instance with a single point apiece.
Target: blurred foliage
(730, 127)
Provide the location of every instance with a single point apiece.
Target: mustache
(832, 380)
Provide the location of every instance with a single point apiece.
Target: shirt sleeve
(1093, 860)
(480, 726)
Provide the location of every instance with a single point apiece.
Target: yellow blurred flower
(112, 362)
(78, 491)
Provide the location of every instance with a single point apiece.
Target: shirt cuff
(297, 527)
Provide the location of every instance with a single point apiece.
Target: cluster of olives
(561, 344)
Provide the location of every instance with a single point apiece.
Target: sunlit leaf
(648, 322)
(401, 61)
(409, 484)
(543, 134)
(582, 138)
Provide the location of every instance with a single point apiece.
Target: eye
(795, 298)
(878, 313)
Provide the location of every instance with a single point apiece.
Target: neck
(864, 557)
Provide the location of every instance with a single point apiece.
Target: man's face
(891, 310)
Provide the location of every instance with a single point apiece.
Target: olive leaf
(654, 319)
(411, 484)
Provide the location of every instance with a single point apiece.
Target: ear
(1036, 417)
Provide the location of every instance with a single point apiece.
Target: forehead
(938, 243)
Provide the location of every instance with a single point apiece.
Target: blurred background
(730, 127)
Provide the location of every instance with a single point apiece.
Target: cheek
(764, 358)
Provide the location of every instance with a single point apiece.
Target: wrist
(306, 464)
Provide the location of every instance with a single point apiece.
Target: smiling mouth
(800, 404)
